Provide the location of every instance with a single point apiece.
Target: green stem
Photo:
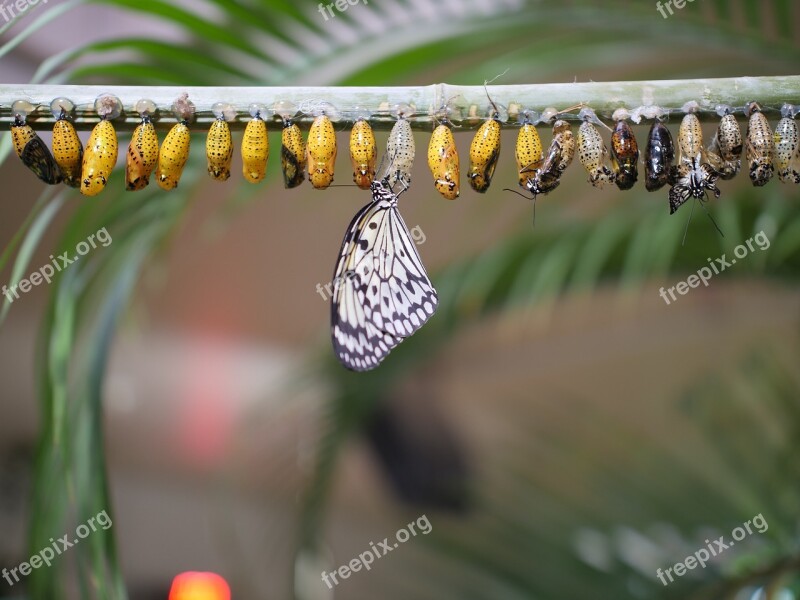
(469, 104)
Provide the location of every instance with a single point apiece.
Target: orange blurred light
(199, 586)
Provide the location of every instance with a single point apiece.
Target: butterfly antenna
(526, 198)
(496, 114)
(689, 220)
(702, 204)
(516, 192)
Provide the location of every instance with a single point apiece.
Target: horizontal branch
(468, 104)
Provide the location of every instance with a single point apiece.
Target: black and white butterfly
(382, 293)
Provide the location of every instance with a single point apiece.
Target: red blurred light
(199, 586)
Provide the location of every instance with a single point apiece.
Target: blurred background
(564, 430)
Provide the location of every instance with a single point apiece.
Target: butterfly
(381, 292)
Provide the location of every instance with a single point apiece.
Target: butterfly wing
(382, 293)
(38, 159)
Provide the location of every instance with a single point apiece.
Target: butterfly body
(559, 156)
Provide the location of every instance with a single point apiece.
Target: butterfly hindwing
(382, 293)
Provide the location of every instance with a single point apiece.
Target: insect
(219, 150)
(624, 155)
(363, 153)
(538, 173)
(99, 158)
(34, 153)
(443, 162)
(659, 156)
(400, 150)
(528, 151)
(142, 155)
(558, 157)
(67, 150)
(172, 156)
(759, 147)
(484, 152)
(787, 147)
(293, 155)
(692, 180)
(592, 151)
(382, 293)
(693, 177)
(255, 149)
(725, 152)
(321, 152)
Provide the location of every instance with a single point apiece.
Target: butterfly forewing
(382, 293)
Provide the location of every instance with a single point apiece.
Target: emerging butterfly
(382, 293)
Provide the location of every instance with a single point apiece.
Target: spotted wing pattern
(381, 292)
